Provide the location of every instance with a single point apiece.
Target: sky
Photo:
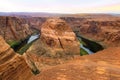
(61, 6)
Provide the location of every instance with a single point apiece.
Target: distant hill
(32, 14)
(43, 14)
(118, 15)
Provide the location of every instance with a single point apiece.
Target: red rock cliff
(13, 28)
(105, 29)
(12, 66)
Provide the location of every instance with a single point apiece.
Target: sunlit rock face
(103, 65)
(12, 66)
(14, 28)
(36, 22)
(56, 45)
(57, 35)
(101, 28)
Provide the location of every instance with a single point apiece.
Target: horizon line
(61, 12)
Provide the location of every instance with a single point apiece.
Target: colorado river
(24, 46)
(32, 38)
(86, 49)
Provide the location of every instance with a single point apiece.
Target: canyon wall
(102, 29)
(14, 28)
(12, 65)
(36, 22)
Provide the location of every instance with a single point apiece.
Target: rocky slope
(102, 29)
(12, 66)
(13, 28)
(35, 22)
(104, 65)
(56, 45)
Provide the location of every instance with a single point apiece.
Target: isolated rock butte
(56, 45)
(58, 35)
(12, 66)
(14, 28)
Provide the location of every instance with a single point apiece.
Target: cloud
(55, 6)
(112, 8)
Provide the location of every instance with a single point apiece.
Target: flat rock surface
(104, 65)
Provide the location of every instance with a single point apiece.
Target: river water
(32, 38)
(86, 49)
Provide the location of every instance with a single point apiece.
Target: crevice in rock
(60, 43)
(32, 65)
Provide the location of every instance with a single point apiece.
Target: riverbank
(88, 46)
(31, 39)
(22, 45)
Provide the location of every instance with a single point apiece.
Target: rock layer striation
(12, 65)
(56, 45)
(14, 28)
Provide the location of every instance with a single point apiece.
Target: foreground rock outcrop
(14, 28)
(56, 45)
(104, 65)
(12, 66)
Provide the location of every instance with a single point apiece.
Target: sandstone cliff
(13, 28)
(57, 44)
(58, 35)
(102, 29)
(12, 66)
(36, 22)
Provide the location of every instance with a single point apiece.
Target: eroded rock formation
(58, 35)
(13, 28)
(57, 44)
(36, 22)
(12, 66)
(102, 29)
